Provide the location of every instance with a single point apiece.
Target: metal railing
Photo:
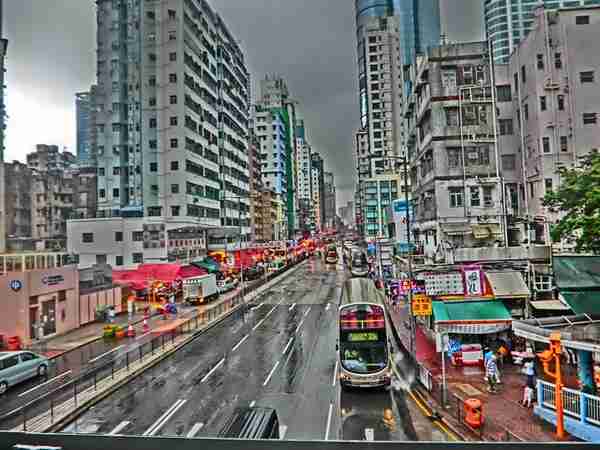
(577, 404)
(120, 364)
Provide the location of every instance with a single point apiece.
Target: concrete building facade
(458, 167)
(83, 117)
(556, 102)
(172, 112)
(317, 181)
(18, 199)
(507, 22)
(329, 201)
(304, 190)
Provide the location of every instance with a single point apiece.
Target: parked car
(16, 367)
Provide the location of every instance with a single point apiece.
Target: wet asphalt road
(280, 354)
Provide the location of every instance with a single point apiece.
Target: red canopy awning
(147, 273)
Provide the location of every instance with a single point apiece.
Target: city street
(280, 354)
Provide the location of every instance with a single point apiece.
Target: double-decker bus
(364, 350)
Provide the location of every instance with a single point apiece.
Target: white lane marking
(239, 343)
(271, 373)
(219, 364)
(288, 345)
(143, 335)
(369, 434)
(292, 307)
(195, 430)
(258, 324)
(272, 309)
(335, 370)
(299, 325)
(257, 307)
(252, 403)
(307, 311)
(62, 375)
(156, 426)
(105, 354)
(282, 431)
(328, 306)
(329, 416)
(119, 428)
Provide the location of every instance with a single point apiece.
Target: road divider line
(369, 434)
(195, 430)
(328, 306)
(219, 364)
(52, 380)
(335, 370)
(292, 307)
(307, 311)
(288, 345)
(156, 426)
(272, 309)
(239, 343)
(282, 431)
(328, 426)
(105, 354)
(119, 428)
(299, 325)
(252, 403)
(271, 373)
(257, 307)
(258, 324)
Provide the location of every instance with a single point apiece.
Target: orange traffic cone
(130, 331)
(145, 326)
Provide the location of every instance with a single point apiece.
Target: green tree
(578, 198)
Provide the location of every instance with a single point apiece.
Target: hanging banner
(473, 282)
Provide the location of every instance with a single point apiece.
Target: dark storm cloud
(311, 43)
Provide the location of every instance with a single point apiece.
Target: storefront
(39, 303)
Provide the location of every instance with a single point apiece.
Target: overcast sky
(51, 56)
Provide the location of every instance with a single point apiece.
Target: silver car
(16, 367)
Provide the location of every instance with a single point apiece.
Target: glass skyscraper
(509, 21)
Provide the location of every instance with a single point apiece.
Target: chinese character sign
(473, 286)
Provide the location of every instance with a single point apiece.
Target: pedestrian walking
(528, 392)
(491, 371)
(529, 371)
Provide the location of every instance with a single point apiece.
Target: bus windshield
(364, 358)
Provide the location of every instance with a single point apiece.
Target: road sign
(421, 305)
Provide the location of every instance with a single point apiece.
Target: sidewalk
(504, 413)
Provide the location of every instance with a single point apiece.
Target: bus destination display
(363, 337)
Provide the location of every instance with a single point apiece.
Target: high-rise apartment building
(18, 199)
(389, 36)
(556, 102)
(3, 47)
(329, 200)
(172, 112)
(303, 177)
(507, 22)
(317, 181)
(83, 116)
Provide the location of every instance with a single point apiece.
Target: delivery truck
(200, 290)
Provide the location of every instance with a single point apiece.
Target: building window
(548, 184)
(116, 193)
(173, 121)
(589, 118)
(152, 81)
(152, 143)
(174, 165)
(586, 77)
(564, 144)
(102, 193)
(488, 200)
(118, 236)
(475, 196)
(174, 189)
(526, 111)
(173, 99)
(504, 94)
(101, 259)
(543, 103)
(137, 236)
(506, 127)
(137, 258)
(174, 143)
(152, 123)
(152, 101)
(540, 61)
(582, 20)
(173, 56)
(87, 238)
(456, 197)
(509, 162)
(561, 102)
(557, 61)
(175, 211)
(546, 145)
(172, 14)
(153, 167)
(172, 78)
(172, 35)
(118, 260)
(523, 74)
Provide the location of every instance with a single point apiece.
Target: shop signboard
(473, 281)
(438, 284)
(421, 305)
(402, 214)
